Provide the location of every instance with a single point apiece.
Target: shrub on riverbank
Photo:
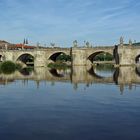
(8, 67)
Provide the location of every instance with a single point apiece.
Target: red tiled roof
(24, 46)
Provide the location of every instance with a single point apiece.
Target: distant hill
(136, 44)
(3, 42)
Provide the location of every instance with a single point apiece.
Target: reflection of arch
(55, 73)
(137, 70)
(137, 59)
(54, 56)
(93, 55)
(92, 72)
(26, 59)
(26, 71)
(1, 58)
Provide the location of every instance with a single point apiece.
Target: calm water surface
(82, 105)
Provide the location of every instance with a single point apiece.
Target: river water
(83, 103)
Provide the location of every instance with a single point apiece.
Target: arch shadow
(55, 56)
(91, 71)
(26, 71)
(137, 70)
(55, 73)
(106, 70)
(105, 55)
(27, 59)
(137, 59)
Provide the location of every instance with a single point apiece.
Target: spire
(26, 41)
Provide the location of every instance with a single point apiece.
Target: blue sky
(100, 22)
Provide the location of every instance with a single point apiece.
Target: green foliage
(103, 57)
(8, 67)
(18, 66)
(58, 65)
(29, 69)
(63, 57)
(136, 44)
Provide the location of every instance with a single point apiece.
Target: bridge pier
(80, 74)
(40, 58)
(79, 57)
(126, 57)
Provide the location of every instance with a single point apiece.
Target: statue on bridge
(75, 43)
(87, 44)
(130, 42)
(121, 40)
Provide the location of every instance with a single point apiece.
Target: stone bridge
(123, 55)
(41, 57)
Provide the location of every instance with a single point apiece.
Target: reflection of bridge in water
(79, 74)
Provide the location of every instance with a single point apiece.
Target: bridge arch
(1, 57)
(137, 70)
(26, 58)
(92, 72)
(102, 71)
(55, 73)
(26, 71)
(55, 55)
(92, 56)
(137, 59)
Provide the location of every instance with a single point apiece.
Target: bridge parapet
(136, 47)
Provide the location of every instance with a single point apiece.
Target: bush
(18, 66)
(8, 67)
(58, 66)
(103, 57)
(63, 57)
